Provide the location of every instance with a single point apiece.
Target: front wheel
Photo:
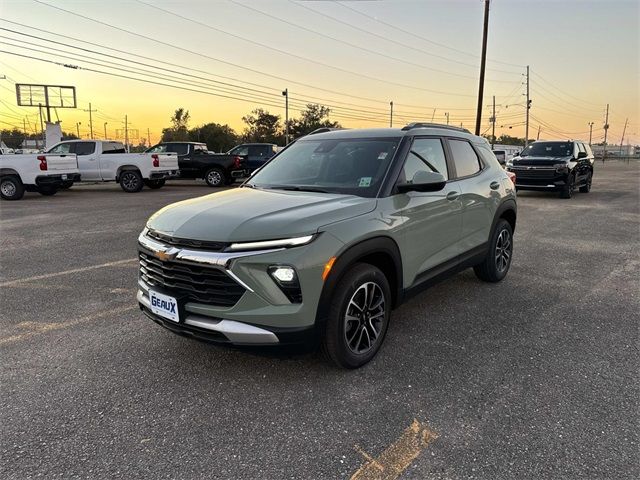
(498, 260)
(215, 177)
(586, 188)
(155, 184)
(567, 191)
(358, 318)
(11, 188)
(131, 181)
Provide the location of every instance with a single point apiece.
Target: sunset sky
(355, 56)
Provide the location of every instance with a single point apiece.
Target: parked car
(107, 161)
(560, 166)
(195, 161)
(256, 154)
(43, 173)
(323, 241)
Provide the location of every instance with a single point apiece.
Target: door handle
(452, 195)
(494, 185)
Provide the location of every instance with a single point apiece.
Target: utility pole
(44, 137)
(105, 130)
(24, 125)
(526, 128)
(126, 132)
(149, 137)
(434, 115)
(538, 136)
(90, 119)
(391, 115)
(285, 94)
(606, 128)
(482, 65)
(78, 128)
(590, 132)
(447, 115)
(624, 130)
(493, 124)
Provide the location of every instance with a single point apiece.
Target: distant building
(614, 150)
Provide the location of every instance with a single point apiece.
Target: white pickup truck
(107, 161)
(44, 173)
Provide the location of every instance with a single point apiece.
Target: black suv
(559, 166)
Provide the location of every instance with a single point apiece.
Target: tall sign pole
(482, 65)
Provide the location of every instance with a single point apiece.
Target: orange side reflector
(327, 268)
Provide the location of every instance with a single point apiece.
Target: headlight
(287, 280)
(509, 163)
(266, 244)
(560, 166)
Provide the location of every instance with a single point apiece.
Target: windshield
(353, 166)
(548, 149)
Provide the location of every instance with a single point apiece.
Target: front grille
(187, 242)
(541, 173)
(195, 283)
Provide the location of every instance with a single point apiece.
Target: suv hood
(245, 214)
(534, 160)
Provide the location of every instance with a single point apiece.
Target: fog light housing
(287, 280)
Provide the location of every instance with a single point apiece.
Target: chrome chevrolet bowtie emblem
(165, 255)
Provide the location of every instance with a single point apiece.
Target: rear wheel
(358, 318)
(155, 184)
(586, 188)
(131, 181)
(498, 260)
(215, 177)
(11, 188)
(66, 184)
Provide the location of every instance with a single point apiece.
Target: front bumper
(262, 315)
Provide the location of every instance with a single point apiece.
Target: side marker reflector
(327, 268)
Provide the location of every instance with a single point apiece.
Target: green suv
(330, 235)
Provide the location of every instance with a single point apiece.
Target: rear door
(87, 160)
(478, 191)
(432, 220)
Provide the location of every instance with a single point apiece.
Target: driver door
(432, 221)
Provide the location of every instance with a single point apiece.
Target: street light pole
(78, 128)
(285, 94)
(590, 132)
(391, 115)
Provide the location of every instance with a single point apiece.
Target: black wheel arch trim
(505, 205)
(350, 256)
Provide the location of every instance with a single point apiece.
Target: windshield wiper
(296, 188)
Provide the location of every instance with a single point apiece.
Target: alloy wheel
(130, 181)
(8, 189)
(503, 250)
(214, 178)
(364, 318)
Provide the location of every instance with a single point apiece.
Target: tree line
(260, 126)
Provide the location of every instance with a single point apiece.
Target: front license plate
(164, 305)
(64, 177)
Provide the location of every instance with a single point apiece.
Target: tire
(230, 181)
(66, 185)
(131, 181)
(498, 260)
(344, 341)
(11, 188)
(215, 177)
(586, 188)
(155, 184)
(47, 191)
(567, 191)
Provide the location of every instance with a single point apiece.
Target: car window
(581, 147)
(464, 158)
(113, 147)
(85, 148)
(256, 151)
(588, 149)
(352, 166)
(61, 148)
(240, 150)
(548, 149)
(162, 148)
(426, 154)
(179, 148)
(200, 149)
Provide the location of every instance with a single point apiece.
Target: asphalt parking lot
(535, 377)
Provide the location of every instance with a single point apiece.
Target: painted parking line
(37, 328)
(397, 457)
(11, 283)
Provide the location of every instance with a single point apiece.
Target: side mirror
(424, 181)
(582, 154)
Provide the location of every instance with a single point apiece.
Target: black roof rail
(413, 125)
(323, 130)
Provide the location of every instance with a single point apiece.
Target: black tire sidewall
(223, 178)
(500, 226)
(127, 173)
(155, 184)
(18, 186)
(334, 342)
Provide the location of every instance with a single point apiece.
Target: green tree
(314, 116)
(262, 126)
(179, 126)
(219, 138)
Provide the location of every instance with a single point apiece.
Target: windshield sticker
(365, 182)
(382, 155)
